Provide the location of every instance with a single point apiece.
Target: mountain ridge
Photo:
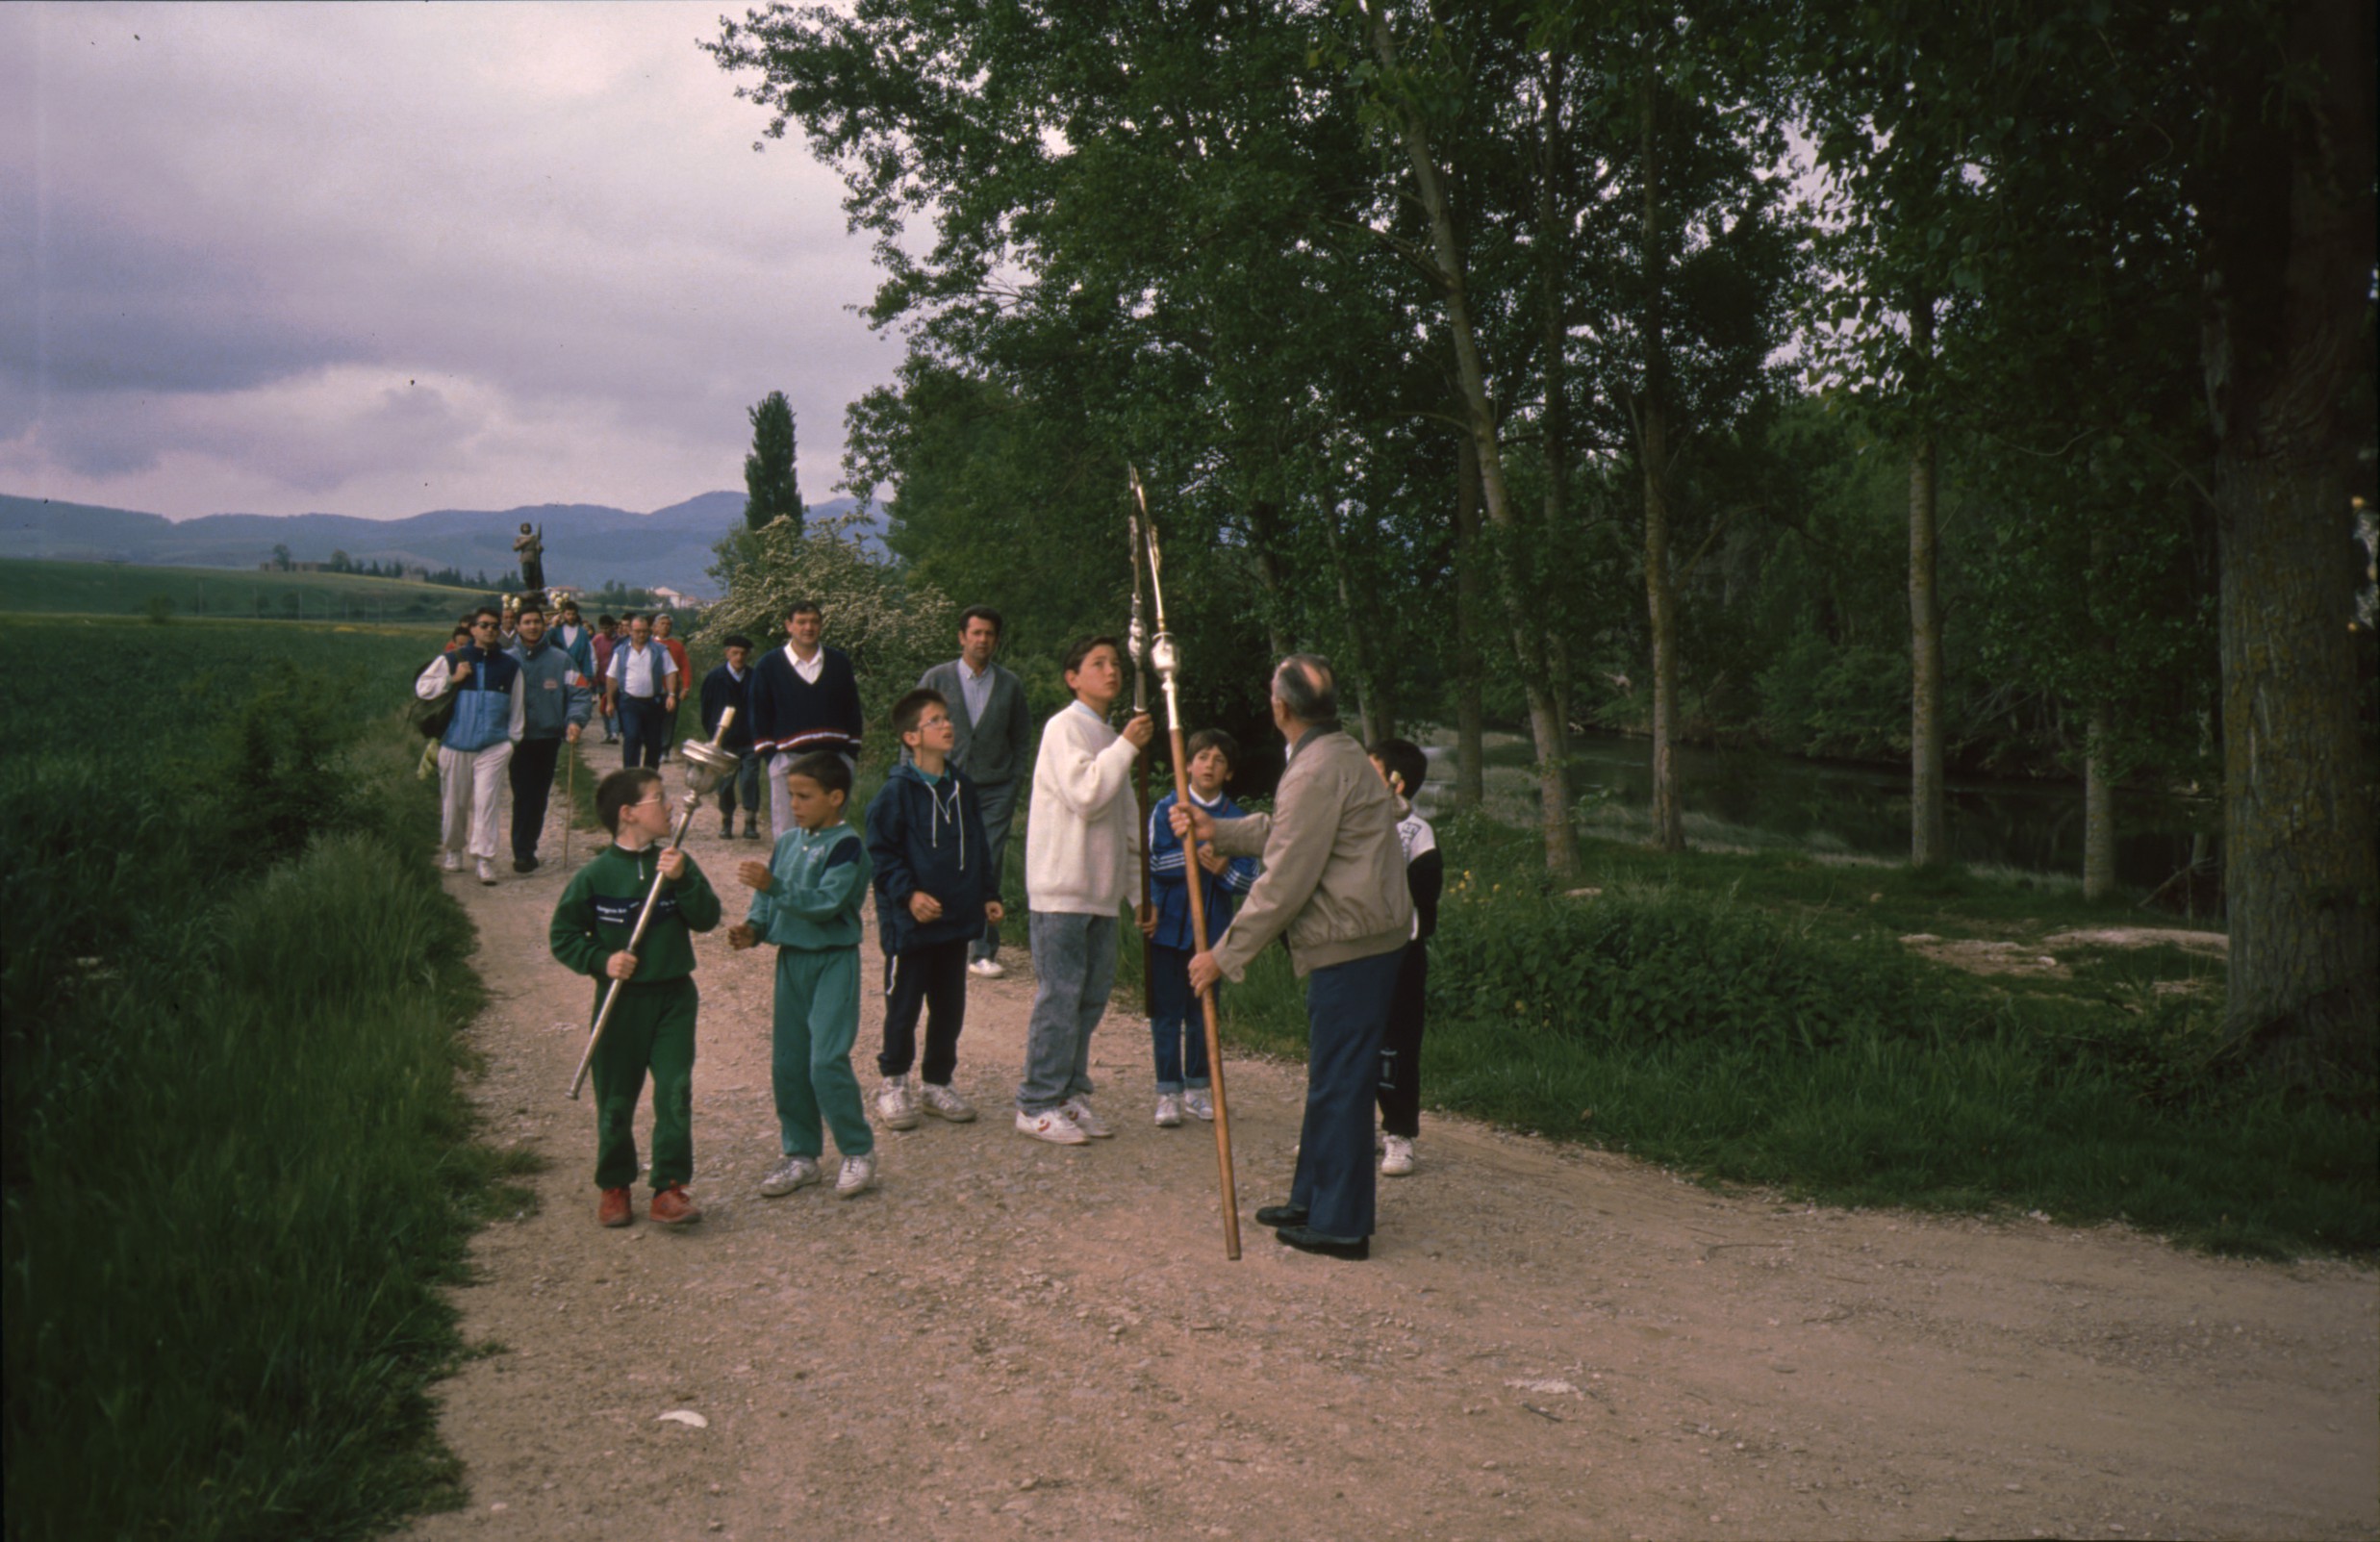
(586, 543)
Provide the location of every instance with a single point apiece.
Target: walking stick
(1138, 640)
(705, 765)
(1169, 669)
(570, 800)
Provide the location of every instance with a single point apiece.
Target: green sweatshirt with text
(597, 912)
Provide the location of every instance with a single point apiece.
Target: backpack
(429, 717)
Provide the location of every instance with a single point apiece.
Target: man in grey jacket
(994, 746)
(1333, 885)
(560, 701)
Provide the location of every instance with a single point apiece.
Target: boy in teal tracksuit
(806, 900)
(652, 1025)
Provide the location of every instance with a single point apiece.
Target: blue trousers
(1073, 970)
(1346, 1017)
(1175, 1021)
(643, 725)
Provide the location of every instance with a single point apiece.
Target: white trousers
(473, 784)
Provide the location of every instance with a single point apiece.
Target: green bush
(1644, 967)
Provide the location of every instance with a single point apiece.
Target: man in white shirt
(805, 698)
(642, 687)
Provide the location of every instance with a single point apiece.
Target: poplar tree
(768, 487)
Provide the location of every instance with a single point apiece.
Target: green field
(240, 1163)
(112, 588)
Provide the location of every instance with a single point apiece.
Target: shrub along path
(1011, 1338)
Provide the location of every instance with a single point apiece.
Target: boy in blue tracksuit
(806, 900)
(935, 890)
(1182, 1075)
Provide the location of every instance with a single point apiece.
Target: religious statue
(530, 547)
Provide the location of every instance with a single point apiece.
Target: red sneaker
(612, 1210)
(673, 1206)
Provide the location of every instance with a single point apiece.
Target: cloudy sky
(380, 259)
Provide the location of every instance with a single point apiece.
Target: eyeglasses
(476, 625)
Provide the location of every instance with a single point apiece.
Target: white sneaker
(1397, 1155)
(487, 872)
(896, 1109)
(1199, 1102)
(944, 1103)
(797, 1172)
(987, 968)
(1169, 1109)
(450, 861)
(857, 1178)
(1086, 1120)
(1052, 1127)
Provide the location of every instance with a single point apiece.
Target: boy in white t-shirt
(1403, 765)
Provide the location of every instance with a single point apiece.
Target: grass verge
(239, 1162)
(1755, 1019)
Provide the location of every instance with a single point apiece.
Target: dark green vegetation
(237, 1163)
(174, 594)
(1451, 340)
(1755, 1019)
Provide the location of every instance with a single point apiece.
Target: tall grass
(237, 1161)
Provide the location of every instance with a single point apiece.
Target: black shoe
(525, 864)
(727, 832)
(1305, 1239)
(1281, 1215)
(751, 831)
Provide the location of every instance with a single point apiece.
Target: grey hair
(1305, 685)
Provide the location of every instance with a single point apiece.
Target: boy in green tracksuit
(653, 1026)
(806, 900)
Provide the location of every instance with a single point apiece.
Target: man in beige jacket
(1333, 884)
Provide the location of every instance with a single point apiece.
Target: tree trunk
(2283, 339)
(1470, 718)
(1562, 848)
(1370, 710)
(1553, 343)
(1263, 525)
(2099, 755)
(1653, 445)
(1928, 843)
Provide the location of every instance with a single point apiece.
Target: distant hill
(586, 543)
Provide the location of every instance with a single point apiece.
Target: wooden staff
(1169, 668)
(1138, 641)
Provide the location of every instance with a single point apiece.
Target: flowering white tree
(891, 626)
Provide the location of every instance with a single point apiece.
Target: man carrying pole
(1333, 884)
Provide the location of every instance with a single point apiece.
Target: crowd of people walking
(1342, 872)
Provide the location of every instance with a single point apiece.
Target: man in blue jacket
(560, 701)
(936, 887)
(490, 710)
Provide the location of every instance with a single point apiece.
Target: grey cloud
(107, 307)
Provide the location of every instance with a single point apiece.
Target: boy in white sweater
(1081, 842)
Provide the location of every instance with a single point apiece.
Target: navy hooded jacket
(929, 835)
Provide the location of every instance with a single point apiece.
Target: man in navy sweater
(805, 699)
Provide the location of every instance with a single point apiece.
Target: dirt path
(1012, 1338)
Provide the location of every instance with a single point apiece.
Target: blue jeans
(1346, 1017)
(1000, 809)
(1175, 1021)
(641, 726)
(1074, 959)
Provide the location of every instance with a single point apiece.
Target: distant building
(675, 599)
